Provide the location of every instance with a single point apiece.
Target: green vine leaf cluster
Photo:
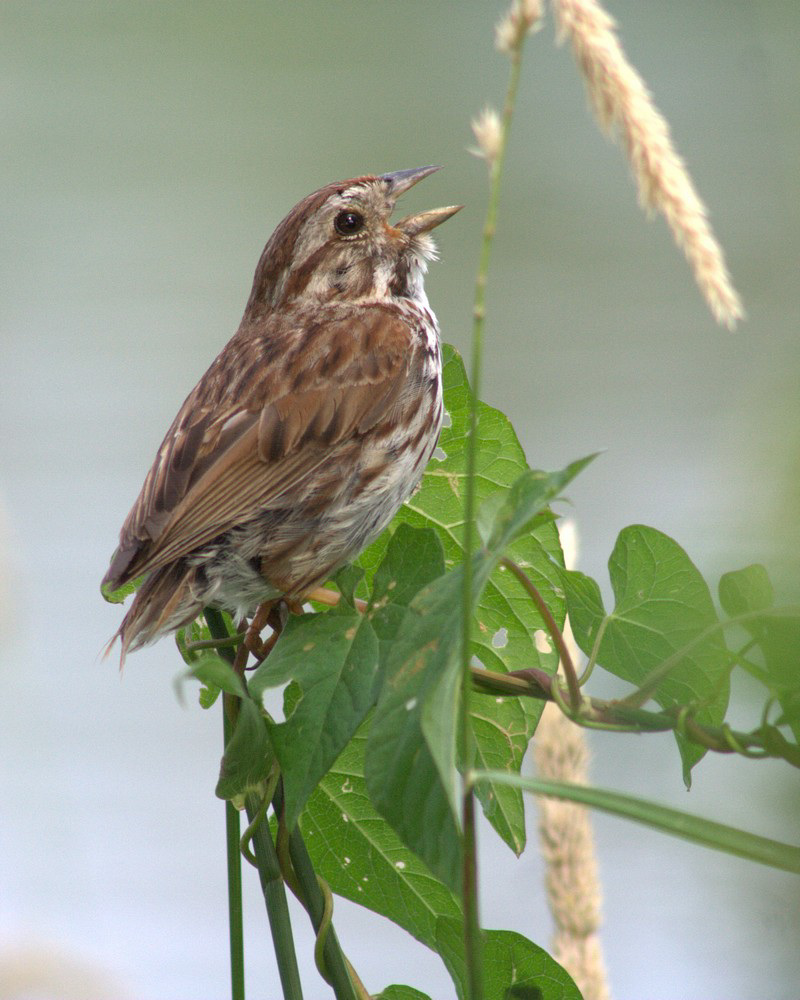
(369, 749)
(666, 637)
(663, 609)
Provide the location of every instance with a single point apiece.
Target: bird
(308, 431)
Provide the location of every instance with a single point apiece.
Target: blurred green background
(149, 150)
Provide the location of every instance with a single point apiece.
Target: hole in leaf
(500, 638)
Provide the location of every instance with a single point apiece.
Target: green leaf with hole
(663, 617)
(333, 657)
(502, 729)
(361, 857)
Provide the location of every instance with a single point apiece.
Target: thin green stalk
(219, 632)
(592, 661)
(472, 933)
(313, 898)
(235, 921)
(232, 640)
(702, 831)
(269, 873)
(268, 867)
(216, 625)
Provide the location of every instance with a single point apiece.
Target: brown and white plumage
(310, 428)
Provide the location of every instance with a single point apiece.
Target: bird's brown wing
(263, 418)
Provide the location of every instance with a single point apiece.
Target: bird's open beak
(423, 222)
(399, 182)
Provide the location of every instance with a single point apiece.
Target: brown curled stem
(619, 716)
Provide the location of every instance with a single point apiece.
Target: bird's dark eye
(348, 223)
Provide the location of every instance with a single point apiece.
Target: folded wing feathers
(211, 475)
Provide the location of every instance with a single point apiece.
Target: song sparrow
(309, 430)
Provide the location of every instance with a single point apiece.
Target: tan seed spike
(488, 134)
(623, 105)
(521, 18)
(565, 834)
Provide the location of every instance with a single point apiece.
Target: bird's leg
(272, 613)
(252, 639)
(275, 614)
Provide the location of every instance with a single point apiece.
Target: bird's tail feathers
(164, 602)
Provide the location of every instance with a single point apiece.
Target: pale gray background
(148, 151)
